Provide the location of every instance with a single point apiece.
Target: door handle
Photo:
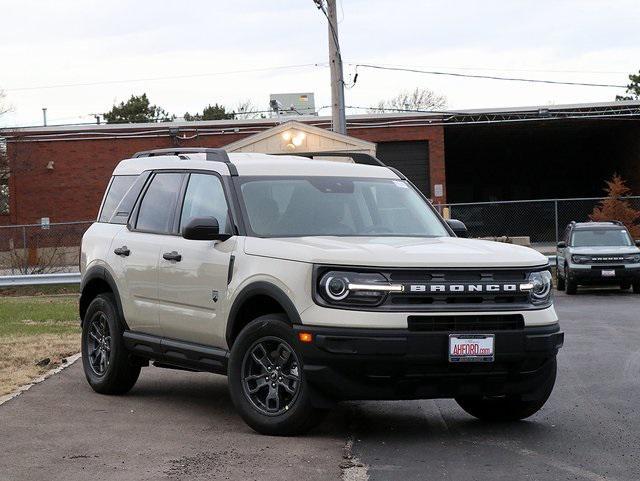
(122, 251)
(172, 256)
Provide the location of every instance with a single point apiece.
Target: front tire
(636, 287)
(511, 407)
(267, 382)
(104, 356)
(561, 280)
(570, 284)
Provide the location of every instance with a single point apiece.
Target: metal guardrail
(40, 279)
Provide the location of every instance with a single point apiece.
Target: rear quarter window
(117, 190)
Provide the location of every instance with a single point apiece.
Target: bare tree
(418, 99)
(4, 162)
(246, 109)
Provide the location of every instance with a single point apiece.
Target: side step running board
(177, 354)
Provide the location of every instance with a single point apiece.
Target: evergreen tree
(210, 112)
(137, 109)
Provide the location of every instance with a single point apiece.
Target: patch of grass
(38, 315)
(33, 329)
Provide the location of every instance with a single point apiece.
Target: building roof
(619, 109)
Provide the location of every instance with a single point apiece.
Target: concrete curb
(38, 380)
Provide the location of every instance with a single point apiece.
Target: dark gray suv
(598, 253)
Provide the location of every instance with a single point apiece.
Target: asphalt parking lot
(178, 425)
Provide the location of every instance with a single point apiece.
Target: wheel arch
(255, 300)
(98, 280)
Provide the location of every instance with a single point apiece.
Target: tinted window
(205, 198)
(601, 237)
(118, 188)
(121, 215)
(334, 206)
(159, 202)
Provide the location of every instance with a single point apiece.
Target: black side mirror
(638, 243)
(458, 227)
(562, 245)
(203, 228)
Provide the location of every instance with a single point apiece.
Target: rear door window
(157, 209)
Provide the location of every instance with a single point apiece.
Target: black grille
(457, 300)
(457, 275)
(458, 323)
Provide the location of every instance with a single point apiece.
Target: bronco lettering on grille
(466, 288)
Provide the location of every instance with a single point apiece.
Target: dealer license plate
(471, 347)
(608, 273)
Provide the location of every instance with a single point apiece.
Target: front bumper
(592, 274)
(348, 363)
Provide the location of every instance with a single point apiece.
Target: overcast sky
(110, 43)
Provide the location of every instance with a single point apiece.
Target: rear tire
(267, 381)
(509, 408)
(625, 286)
(104, 357)
(636, 287)
(570, 285)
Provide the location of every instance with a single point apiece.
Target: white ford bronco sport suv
(308, 282)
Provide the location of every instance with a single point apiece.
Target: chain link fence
(543, 221)
(41, 248)
(54, 248)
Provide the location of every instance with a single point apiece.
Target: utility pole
(44, 116)
(338, 121)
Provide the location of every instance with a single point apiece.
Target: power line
(500, 69)
(321, 7)
(487, 77)
(173, 77)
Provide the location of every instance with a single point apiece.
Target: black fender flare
(256, 289)
(99, 272)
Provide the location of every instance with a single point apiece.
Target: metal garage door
(410, 158)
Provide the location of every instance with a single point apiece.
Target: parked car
(308, 282)
(598, 253)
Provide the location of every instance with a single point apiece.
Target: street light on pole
(338, 120)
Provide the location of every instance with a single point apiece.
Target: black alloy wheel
(99, 344)
(107, 365)
(267, 379)
(271, 376)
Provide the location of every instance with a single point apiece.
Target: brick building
(60, 173)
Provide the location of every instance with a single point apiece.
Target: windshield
(336, 206)
(601, 237)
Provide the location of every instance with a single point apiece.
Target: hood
(605, 250)
(396, 251)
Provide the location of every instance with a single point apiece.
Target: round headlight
(337, 288)
(541, 282)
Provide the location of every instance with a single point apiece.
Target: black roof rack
(592, 222)
(358, 157)
(217, 155)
